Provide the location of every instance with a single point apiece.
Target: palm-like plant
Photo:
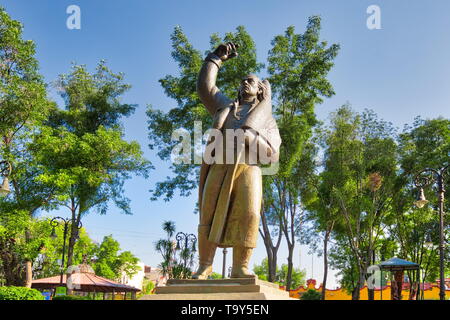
(172, 267)
(166, 248)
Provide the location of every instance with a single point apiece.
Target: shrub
(20, 293)
(147, 287)
(311, 294)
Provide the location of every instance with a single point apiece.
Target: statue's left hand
(265, 89)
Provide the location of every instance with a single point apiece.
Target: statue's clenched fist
(226, 51)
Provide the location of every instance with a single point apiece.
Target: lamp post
(224, 262)
(425, 178)
(5, 171)
(54, 223)
(189, 239)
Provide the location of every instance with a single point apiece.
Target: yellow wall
(340, 294)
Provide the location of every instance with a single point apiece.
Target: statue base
(223, 289)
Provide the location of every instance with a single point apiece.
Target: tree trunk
(70, 247)
(271, 258)
(72, 240)
(73, 234)
(357, 290)
(28, 264)
(290, 266)
(370, 294)
(273, 267)
(272, 250)
(28, 273)
(325, 265)
(12, 271)
(12, 266)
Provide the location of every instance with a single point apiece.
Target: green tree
(23, 107)
(82, 151)
(321, 218)
(424, 144)
(106, 258)
(298, 66)
(23, 96)
(359, 176)
(48, 261)
(20, 241)
(297, 278)
(262, 270)
(111, 263)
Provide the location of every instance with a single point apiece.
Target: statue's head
(250, 89)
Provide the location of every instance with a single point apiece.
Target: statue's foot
(241, 257)
(242, 273)
(203, 272)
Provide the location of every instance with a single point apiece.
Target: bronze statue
(230, 194)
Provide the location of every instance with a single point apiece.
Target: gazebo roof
(84, 280)
(398, 264)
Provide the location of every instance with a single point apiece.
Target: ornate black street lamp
(5, 171)
(425, 178)
(190, 241)
(54, 223)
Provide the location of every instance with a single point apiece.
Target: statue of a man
(230, 194)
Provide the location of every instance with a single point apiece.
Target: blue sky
(400, 71)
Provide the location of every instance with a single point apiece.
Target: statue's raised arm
(207, 90)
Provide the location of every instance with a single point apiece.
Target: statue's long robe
(230, 195)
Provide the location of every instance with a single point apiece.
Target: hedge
(311, 294)
(20, 293)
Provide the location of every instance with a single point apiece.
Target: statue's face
(249, 86)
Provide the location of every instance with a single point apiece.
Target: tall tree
(298, 66)
(83, 152)
(423, 144)
(23, 107)
(322, 217)
(360, 162)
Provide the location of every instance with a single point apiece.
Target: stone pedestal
(223, 289)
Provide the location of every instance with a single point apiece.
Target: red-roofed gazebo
(83, 279)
